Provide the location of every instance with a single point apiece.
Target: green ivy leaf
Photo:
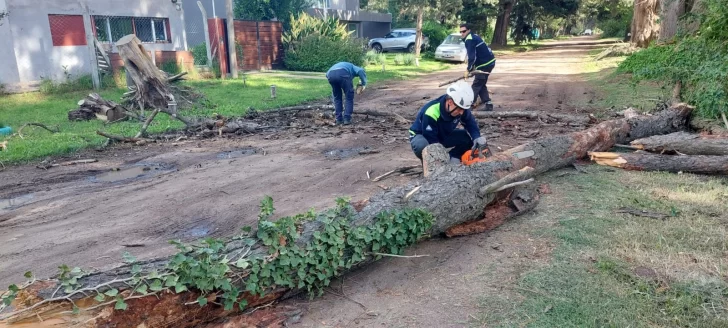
(247, 229)
(170, 281)
(136, 269)
(112, 292)
(99, 297)
(179, 288)
(76, 310)
(142, 289)
(13, 288)
(28, 274)
(202, 301)
(229, 303)
(242, 304)
(156, 285)
(242, 263)
(120, 305)
(128, 258)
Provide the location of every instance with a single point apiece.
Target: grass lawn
(226, 97)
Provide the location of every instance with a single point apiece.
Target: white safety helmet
(461, 93)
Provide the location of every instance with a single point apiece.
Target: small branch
(521, 174)
(725, 121)
(145, 126)
(123, 139)
(515, 184)
(399, 256)
(399, 170)
(20, 131)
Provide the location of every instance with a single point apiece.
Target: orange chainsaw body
(474, 156)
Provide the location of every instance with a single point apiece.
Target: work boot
(339, 122)
(488, 107)
(347, 121)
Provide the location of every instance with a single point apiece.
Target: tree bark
(150, 82)
(645, 27)
(671, 12)
(418, 38)
(684, 143)
(432, 194)
(577, 119)
(644, 161)
(93, 106)
(500, 35)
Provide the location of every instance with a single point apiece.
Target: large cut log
(451, 194)
(684, 143)
(643, 161)
(93, 106)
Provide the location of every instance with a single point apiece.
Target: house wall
(37, 57)
(372, 30)
(8, 69)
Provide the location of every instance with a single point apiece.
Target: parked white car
(452, 49)
(398, 39)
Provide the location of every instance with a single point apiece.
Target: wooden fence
(260, 42)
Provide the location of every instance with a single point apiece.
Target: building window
(353, 27)
(67, 30)
(322, 3)
(148, 29)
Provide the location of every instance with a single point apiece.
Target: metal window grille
(109, 29)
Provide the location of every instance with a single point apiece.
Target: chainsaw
(476, 155)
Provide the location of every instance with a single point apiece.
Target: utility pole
(231, 39)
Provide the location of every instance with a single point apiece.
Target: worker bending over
(340, 77)
(437, 122)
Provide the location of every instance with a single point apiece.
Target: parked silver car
(398, 39)
(452, 49)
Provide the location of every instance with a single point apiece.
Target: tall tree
(645, 25)
(477, 12)
(500, 35)
(430, 7)
(671, 12)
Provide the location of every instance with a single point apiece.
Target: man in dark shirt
(480, 58)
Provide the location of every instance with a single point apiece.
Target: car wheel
(411, 48)
(377, 47)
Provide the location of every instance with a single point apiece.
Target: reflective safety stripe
(486, 64)
(412, 132)
(469, 37)
(480, 44)
(433, 111)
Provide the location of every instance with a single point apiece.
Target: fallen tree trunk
(44, 298)
(684, 143)
(577, 119)
(643, 161)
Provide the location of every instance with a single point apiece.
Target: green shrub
(80, 83)
(318, 53)
(399, 59)
(371, 57)
(199, 53)
(171, 67)
(436, 32)
(408, 59)
(614, 28)
(305, 25)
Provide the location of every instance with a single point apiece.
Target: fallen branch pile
(93, 107)
(202, 283)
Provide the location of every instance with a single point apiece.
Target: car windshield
(452, 39)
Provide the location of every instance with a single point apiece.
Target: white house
(52, 38)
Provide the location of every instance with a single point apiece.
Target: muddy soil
(137, 198)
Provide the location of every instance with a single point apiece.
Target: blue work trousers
(341, 80)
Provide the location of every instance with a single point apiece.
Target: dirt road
(136, 199)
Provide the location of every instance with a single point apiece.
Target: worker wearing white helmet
(437, 122)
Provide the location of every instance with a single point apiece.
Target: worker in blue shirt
(437, 122)
(480, 58)
(340, 77)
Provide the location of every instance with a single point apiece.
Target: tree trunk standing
(151, 84)
(670, 14)
(500, 35)
(696, 8)
(645, 26)
(418, 39)
(232, 52)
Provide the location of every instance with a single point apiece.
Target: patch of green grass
(226, 97)
(616, 92)
(617, 270)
